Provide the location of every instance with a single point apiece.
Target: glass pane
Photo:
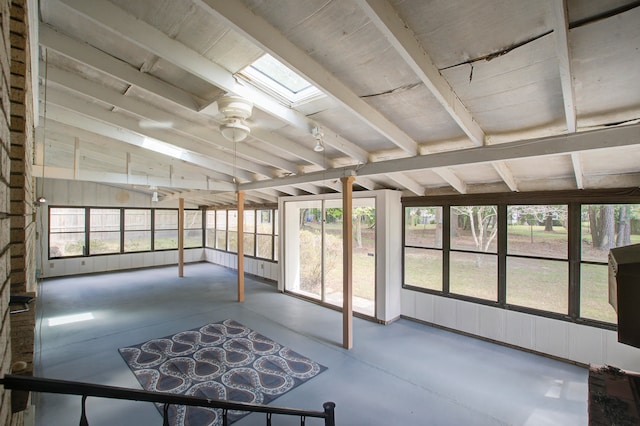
(249, 223)
(275, 248)
(264, 246)
(137, 220)
(304, 260)
(66, 244)
(474, 274)
(232, 244)
(166, 219)
(221, 219)
(166, 239)
(333, 253)
(474, 228)
(539, 284)
(137, 241)
(232, 218)
(192, 238)
(210, 238)
(104, 242)
(423, 268)
(605, 226)
(249, 240)
(66, 220)
(104, 219)
(265, 222)
(275, 222)
(193, 219)
(423, 226)
(594, 293)
(221, 240)
(364, 255)
(210, 235)
(539, 230)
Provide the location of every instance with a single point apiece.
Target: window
(137, 230)
(210, 235)
(473, 263)
(232, 231)
(537, 257)
(166, 229)
(221, 229)
(192, 228)
(67, 237)
(602, 227)
(249, 229)
(260, 229)
(548, 259)
(264, 234)
(276, 79)
(423, 247)
(104, 231)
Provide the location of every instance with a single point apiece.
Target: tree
(602, 224)
(360, 215)
(483, 223)
(624, 227)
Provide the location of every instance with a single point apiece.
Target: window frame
(572, 198)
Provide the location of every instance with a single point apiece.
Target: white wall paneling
(574, 342)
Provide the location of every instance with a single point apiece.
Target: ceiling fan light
(234, 130)
(154, 197)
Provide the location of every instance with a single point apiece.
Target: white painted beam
(561, 33)
(387, 20)
(189, 129)
(78, 115)
(94, 142)
(406, 182)
(100, 61)
(608, 138)
(451, 178)
(366, 183)
(50, 172)
(146, 36)
(506, 175)
(263, 34)
(577, 169)
(308, 187)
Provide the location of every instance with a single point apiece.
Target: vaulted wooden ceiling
(430, 97)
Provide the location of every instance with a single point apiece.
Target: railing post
(83, 416)
(329, 408)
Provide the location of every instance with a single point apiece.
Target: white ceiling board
(454, 31)
(551, 167)
(520, 89)
(604, 54)
(581, 10)
(618, 161)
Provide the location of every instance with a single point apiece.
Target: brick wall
(23, 223)
(17, 218)
(5, 221)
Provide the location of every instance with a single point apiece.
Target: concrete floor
(401, 374)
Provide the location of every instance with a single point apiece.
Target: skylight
(272, 76)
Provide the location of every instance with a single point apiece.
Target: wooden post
(181, 237)
(347, 264)
(240, 246)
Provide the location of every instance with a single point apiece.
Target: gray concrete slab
(404, 373)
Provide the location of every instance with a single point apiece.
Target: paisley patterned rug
(222, 360)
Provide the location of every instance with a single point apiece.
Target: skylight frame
(279, 90)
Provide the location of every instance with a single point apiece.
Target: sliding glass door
(314, 256)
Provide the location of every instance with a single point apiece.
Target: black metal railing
(38, 384)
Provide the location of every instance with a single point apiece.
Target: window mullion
(502, 254)
(574, 242)
(446, 246)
